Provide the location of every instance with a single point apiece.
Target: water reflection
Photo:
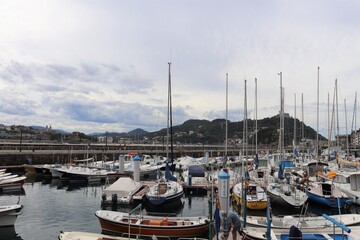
(9, 233)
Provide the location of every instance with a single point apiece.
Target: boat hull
(160, 227)
(8, 215)
(327, 201)
(161, 201)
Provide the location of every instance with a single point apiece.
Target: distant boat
(12, 184)
(8, 214)
(82, 174)
(118, 223)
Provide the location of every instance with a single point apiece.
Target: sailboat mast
(337, 116)
(329, 127)
(170, 115)
(256, 117)
(244, 133)
(302, 122)
(281, 115)
(226, 117)
(346, 127)
(317, 116)
(295, 123)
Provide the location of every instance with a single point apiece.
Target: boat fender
(114, 198)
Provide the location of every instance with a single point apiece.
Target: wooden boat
(119, 222)
(88, 236)
(305, 222)
(8, 214)
(327, 194)
(256, 198)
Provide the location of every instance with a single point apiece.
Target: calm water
(51, 207)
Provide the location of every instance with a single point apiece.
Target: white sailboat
(282, 192)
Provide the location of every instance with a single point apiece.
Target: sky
(102, 65)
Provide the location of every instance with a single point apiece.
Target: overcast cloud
(102, 65)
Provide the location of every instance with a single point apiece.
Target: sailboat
(282, 192)
(256, 198)
(166, 191)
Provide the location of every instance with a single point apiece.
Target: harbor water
(51, 206)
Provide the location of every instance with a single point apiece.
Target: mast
(329, 127)
(354, 121)
(244, 130)
(170, 115)
(256, 117)
(226, 117)
(295, 125)
(337, 116)
(317, 117)
(281, 115)
(302, 123)
(347, 136)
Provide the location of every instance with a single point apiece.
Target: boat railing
(193, 238)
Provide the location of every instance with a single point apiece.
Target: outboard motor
(295, 233)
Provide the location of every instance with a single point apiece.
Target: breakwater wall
(16, 153)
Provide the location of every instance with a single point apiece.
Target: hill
(213, 132)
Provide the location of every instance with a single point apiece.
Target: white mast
(168, 115)
(281, 115)
(295, 122)
(256, 130)
(226, 117)
(244, 131)
(346, 127)
(317, 117)
(337, 117)
(302, 123)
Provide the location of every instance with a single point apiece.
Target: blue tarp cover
(197, 171)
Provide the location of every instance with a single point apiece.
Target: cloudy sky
(102, 65)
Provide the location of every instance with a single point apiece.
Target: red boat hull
(157, 230)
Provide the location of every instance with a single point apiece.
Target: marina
(53, 206)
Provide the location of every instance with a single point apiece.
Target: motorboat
(308, 222)
(89, 236)
(8, 214)
(122, 191)
(164, 192)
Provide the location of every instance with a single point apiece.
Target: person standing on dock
(232, 221)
